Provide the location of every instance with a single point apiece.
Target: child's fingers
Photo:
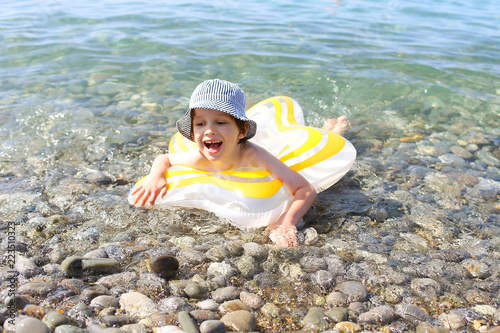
(137, 189)
(163, 192)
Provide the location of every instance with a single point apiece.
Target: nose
(210, 130)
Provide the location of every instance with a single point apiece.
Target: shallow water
(91, 93)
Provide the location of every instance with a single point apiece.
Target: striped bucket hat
(216, 95)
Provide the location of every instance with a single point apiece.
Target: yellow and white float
(251, 198)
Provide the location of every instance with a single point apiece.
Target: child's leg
(339, 126)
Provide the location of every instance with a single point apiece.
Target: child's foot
(339, 126)
(284, 236)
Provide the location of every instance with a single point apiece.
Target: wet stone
(234, 305)
(201, 315)
(476, 268)
(379, 315)
(315, 320)
(247, 266)
(77, 266)
(461, 152)
(270, 310)
(186, 322)
(69, 329)
(428, 328)
(254, 301)
(137, 304)
(452, 321)
(135, 328)
(117, 321)
(36, 288)
(221, 269)
(105, 301)
(31, 325)
(174, 304)
(347, 327)
(225, 294)
(355, 291)
(208, 304)
(80, 313)
(125, 278)
(337, 314)
(313, 264)
(88, 294)
(241, 321)
(194, 290)
(26, 267)
(255, 250)
(54, 319)
(337, 299)
(212, 326)
(412, 314)
(165, 266)
(323, 279)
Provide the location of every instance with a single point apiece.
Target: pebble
(137, 304)
(194, 290)
(105, 301)
(54, 319)
(240, 321)
(354, 291)
(221, 269)
(337, 314)
(186, 322)
(270, 310)
(337, 299)
(234, 305)
(452, 321)
(208, 304)
(225, 294)
(26, 267)
(174, 304)
(252, 300)
(69, 329)
(323, 279)
(212, 326)
(125, 279)
(347, 327)
(315, 320)
(379, 315)
(255, 250)
(31, 325)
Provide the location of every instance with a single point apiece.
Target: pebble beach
(407, 241)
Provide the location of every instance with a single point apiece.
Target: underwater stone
(337, 299)
(254, 301)
(247, 266)
(233, 305)
(379, 315)
(355, 291)
(220, 269)
(125, 279)
(241, 321)
(323, 279)
(255, 250)
(337, 314)
(26, 267)
(452, 321)
(105, 301)
(225, 294)
(314, 320)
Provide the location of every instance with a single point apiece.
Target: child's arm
(303, 192)
(155, 183)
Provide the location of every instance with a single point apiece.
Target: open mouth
(213, 146)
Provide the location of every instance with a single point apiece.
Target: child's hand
(284, 236)
(149, 190)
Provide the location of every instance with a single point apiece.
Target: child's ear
(243, 134)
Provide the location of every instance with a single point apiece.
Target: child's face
(215, 133)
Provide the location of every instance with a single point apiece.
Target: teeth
(210, 142)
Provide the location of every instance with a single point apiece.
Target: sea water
(90, 92)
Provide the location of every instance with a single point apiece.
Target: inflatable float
(251, 198)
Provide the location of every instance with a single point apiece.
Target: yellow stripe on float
(252, 190)
(334, 143)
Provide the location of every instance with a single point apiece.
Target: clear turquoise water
(100, 84)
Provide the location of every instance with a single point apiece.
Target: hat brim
(185, 126)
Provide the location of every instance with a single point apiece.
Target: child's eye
(221, 122)
(199, 124)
